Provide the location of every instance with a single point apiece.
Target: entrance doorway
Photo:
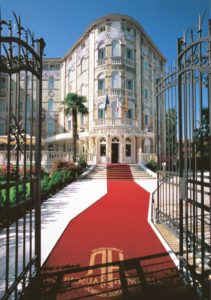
(115, 152)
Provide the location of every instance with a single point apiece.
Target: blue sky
(61, 22)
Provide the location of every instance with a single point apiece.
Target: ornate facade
(117, 60)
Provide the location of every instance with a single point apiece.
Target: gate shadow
(146, 277)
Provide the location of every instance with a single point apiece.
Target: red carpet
(113, 229)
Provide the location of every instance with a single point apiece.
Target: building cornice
(109, 18)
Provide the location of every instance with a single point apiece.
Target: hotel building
(113, 59)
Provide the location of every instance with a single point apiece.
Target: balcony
(122, 93)
(114, 122)
(101, 93)
(47, 157)
(119, 60)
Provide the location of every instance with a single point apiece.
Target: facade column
(121, 152)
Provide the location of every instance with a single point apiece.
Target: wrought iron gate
(183, 198)
(20, 133)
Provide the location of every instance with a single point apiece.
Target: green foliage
(152, 165)
(75, 104)
(82, 161)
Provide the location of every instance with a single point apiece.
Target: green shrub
(67, 176)
(152, 165)
(2, 197)
(82, 161)
(56, 180)
(45, 187)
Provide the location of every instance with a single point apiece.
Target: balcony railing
(115, 122)
(101, 93)
(47, 157)
(122, 93)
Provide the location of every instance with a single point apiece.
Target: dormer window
(101, 29)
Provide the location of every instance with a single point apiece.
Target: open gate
(20, 135)
(182, 200)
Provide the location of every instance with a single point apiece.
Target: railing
(118, 92)
(119, 60)
(102, 61)
(47, 157)
(115, 122)
(101, 93)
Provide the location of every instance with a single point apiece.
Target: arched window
(115, 48)
(51, 83)
(2, 127)
(114, 109)
(28, 82)
(103, 147)
(101, 52)
(115, 140)
(128, 147)
(147, 146)
(101, 111)
(130, 112)
(101, 82)
(50, 104)
(115, 80)
(83, 65)
(146, 118)
(50, 127)
(129, 81)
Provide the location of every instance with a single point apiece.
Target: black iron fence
(20, 132)
(182, 200)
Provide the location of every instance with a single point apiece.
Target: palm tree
(74, 104)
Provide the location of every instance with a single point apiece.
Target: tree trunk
(74, 118)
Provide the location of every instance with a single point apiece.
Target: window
(146, 120)
(115, 80)
(69, 124)
(50, 105)
(50, 147)
(101, 29)
(115, 48)
(2, 105)
(101, 52)
(2, 83)
(129, 84)
(101, 111)
(50, 127)
(114, 109)
(147, 146)
(129, 113)
(102, 149)
(146, 93)
(129, 53)
(126, 27)
(28, 127)
(51, 83)
(128, 150)
(2, 127)
(101, 82)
